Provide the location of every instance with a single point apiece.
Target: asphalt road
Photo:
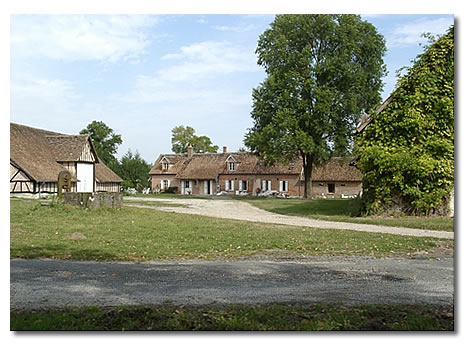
(350, 280)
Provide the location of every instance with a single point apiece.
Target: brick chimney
(225, 149)
(190, 151)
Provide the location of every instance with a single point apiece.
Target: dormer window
(231, 166)
(165, 165)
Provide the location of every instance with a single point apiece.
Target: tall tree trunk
(308, 165)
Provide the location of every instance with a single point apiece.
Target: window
(231, 166)
(165, 165)
(243, 185)
(165, 183)
(331, 188)
(283, 186)
(186, 184)
(229, 185)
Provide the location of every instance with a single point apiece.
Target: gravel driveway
(350, 280)
(234, 209)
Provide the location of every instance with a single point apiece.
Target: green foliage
(323, 72)
(183, 136)
(134, 170)
(105, 141)
(406, 153)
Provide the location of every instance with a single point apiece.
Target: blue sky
(145, 74)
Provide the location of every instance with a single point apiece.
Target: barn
(38, 156)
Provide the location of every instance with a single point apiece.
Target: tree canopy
(406, 152)
(183, 136)
(134, 170)
(106, 142)
(323, 72)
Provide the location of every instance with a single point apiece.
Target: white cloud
(197, 71)
(237, 29)
(80, 37)
(195, 85)
(38, 101)
(411, 33)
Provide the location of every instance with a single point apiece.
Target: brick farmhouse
(245, 173)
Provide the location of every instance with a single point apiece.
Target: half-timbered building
(38, 156)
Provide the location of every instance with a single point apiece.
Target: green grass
(136, 234)
(279, 316)
(346, 210)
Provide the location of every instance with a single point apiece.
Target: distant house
(336, 178)
(244, 173)
(164, 171)
(38, 156)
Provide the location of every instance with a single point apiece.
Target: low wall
(94, 200)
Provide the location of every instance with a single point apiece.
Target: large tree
(183, 136)
(323, 72)
(106, 142)
(406, 152)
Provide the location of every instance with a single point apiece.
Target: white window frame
(165, 165)
(284, 186)
(231, 166)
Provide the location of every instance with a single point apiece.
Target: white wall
(85, 177)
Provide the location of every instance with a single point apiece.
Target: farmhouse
(38, 156)
(244, 173)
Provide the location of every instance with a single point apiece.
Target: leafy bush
(406, 153)
(170, 190)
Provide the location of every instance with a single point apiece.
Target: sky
(143, 75)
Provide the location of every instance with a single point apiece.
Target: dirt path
(239, 210)
(43, 283)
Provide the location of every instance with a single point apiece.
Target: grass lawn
(346, 210)
(136, 234)
(238, 317)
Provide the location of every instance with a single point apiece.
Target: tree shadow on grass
(59, 251)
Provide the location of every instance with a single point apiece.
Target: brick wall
(156, 181)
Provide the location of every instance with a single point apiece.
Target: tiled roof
(31, 151)
(68, 148)
(248, 163)
(202, 166)
(104, 174)
(175, 160)
(336, 169)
